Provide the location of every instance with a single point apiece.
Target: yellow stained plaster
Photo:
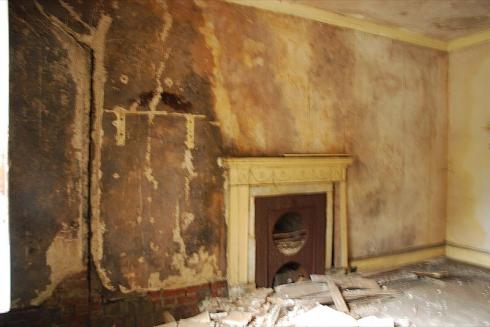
(227, 119)
(469, 149)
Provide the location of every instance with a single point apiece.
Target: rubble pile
(300, 304)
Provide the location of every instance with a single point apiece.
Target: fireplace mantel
(249, 177)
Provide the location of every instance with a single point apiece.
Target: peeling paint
(187, 219)
(65, 257)
(187, 164)
(148, 171)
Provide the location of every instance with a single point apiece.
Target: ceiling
(441, 19)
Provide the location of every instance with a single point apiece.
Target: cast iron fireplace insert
(290, 238)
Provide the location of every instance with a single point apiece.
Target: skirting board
(468, 255)
(397, 260)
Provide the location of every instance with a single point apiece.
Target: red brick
(154, 296)
(174, 292)
(189, 299)
(166, 301)
(196, 288)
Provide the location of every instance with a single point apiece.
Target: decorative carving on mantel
(256, 171)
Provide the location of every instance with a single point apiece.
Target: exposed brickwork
(72, 308)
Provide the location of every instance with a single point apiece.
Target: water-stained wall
(293, 85)
(49, 114)
(468, 222)
(167, 87)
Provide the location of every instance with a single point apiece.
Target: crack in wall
(95, 40)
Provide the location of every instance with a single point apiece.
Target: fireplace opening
(290, 237)
(289, 234)
(289, 273)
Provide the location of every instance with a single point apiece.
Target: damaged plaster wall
(469, 148)
(161, 214)
(289, 85)
(49, 106)
(172, 86)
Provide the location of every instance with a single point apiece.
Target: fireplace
(290, 238)
(248, 180)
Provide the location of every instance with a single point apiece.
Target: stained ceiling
(441, 19)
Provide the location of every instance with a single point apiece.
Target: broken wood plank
(396, 277)
(432, 274)
(347, 281)
(349, 295)
(337, 297)
(299, 289)
(378, 272)
(436, 281)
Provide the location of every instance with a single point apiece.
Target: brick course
(70, 306)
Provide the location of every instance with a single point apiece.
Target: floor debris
(398, 298)
(372, 321)
(325, 317)
(237, 319)
(432, 274)
(347, 281)
(299, 289)
(299, 304)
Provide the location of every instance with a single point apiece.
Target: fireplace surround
(250, 177)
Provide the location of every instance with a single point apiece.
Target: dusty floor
(462, 299)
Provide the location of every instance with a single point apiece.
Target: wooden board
(337, 297)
